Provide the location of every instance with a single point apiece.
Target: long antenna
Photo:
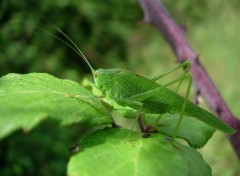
(74, 47)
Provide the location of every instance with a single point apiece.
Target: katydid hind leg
(185, 65)
(143, 96)
(186, 71)
(182, 77)
(183, 106)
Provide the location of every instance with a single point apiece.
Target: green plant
(104, 35)
(29, 99)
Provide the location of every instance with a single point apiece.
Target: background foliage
(111, 35)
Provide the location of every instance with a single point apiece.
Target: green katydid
(145, 95)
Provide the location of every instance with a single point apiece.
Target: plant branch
(156, 14)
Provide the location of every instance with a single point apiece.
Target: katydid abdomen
(145, 95)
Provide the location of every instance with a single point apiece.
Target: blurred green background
(111, 34)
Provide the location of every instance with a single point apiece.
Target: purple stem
(156, 14)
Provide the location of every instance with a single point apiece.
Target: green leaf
(195, 132)
(25, 100)
(115, 152)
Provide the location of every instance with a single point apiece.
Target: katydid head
(104, 78)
